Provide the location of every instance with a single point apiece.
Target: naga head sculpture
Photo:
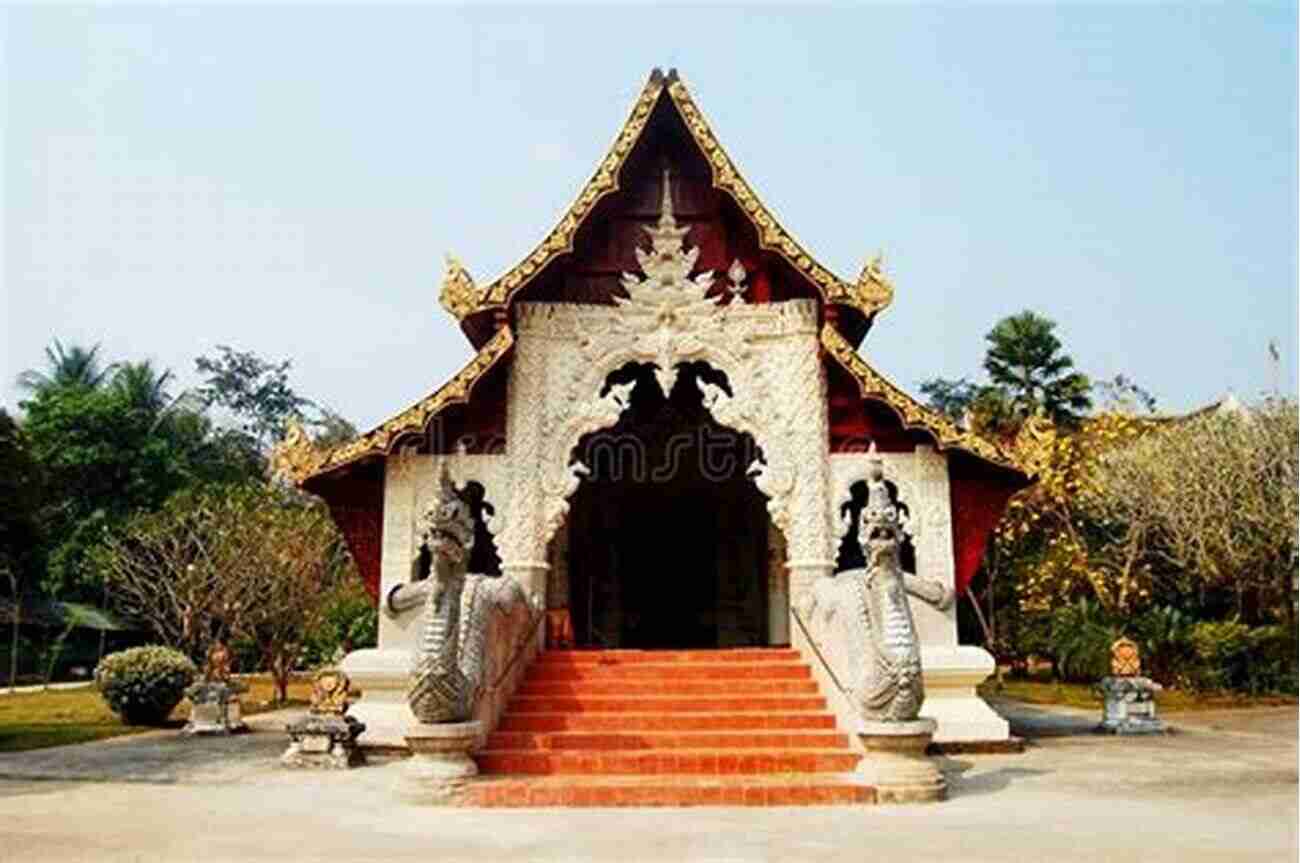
(881, 534)
(448, 525)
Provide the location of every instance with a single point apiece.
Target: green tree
(333, 429)
(142, 386)
(984, 407)
(250, 561)
(951, 397)
(1025, 359)
(106, 456)
(256, 392)
(66, 367)
(21, 489)
(1122, 394)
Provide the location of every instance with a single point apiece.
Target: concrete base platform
(383, 676)
(951, 674)
(896, 764)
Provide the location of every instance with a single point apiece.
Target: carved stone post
(805, 429)
(522, 546)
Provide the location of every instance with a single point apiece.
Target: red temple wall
(979, 495)
(356, 503)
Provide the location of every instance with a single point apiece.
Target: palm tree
(142, 386)
(1025, 359)
(71, 367)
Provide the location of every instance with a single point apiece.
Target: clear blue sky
(288, 180)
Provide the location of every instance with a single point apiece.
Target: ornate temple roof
(298, 460)
(914, 415)
(463, 298)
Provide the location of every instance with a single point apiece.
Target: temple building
(666, 432)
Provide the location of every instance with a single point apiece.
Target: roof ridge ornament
(295, 456)
(459, 295)
(871, 293)
(873, 288)
(667, 286)
(667, 309)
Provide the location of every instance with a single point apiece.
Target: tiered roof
(473, 306)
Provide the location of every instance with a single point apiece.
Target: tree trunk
(281, 668)
(13, 645)
(1288, 584)
(979, 615)
(56, 650)
(988, 634)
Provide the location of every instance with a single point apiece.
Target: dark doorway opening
(667, 544)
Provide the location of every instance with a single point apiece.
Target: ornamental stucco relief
(922, 480)
(769, 353)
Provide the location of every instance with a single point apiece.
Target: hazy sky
(287, 180)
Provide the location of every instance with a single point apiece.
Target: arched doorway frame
(771, 357)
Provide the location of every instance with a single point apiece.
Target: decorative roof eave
(914, 415)
(871, 292)
(297, 459)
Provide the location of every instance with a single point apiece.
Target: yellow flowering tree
(1058, 541)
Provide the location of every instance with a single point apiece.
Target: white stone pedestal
(440, 762)
(215, 708)
(951, 673)
(323, 741)
(1130, 706)
(895, 762)
(383, 676)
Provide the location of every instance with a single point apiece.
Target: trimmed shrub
(143, 685)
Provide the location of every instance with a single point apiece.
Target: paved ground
(1223, 788)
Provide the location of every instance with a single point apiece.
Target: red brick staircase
(667, 728)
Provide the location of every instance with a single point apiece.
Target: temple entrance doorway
(667, 543)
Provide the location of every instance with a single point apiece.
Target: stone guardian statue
(860, 626)
(450, 657)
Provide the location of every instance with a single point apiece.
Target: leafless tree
(1214, 498)
(233, 562)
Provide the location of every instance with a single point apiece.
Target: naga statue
(452, 651)
(861, 622)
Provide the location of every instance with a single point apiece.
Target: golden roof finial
(876, 266)
(459, 296)
(873, 288)
(295, 457)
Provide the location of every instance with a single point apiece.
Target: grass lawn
(1082, 695)
(34, 720)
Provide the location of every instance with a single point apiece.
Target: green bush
(1223, 651)
(1081, 636)
(1233, 656)
(144, 684)
(350, 619)
(1164, 636)
(1274, 666)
